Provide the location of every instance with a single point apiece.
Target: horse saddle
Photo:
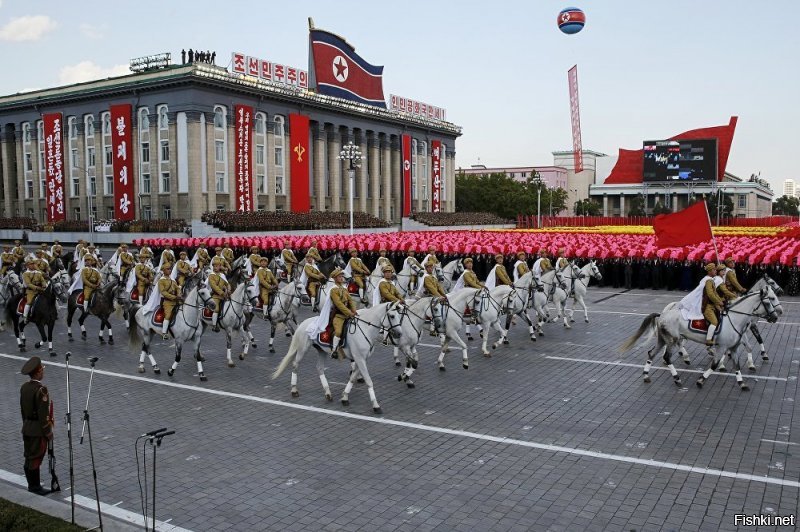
(81, 298)
(325, 338)
(352, 287)
(701, 325)
(259, 303)
(158, 316)
(21, 305)
(135, 294)
(282, 275)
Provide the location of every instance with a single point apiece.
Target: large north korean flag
(337, 70)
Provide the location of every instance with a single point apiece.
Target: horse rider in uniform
(91, 250)
(541, 266)
(288, 259)
(37, 422)
(18, 250)
(389, 293)
(255, 260)
(383, 260)
(144, 277)
(227, 252)
(314, 278)
(46, 252)
(7, 258)
(498, 276)
(91, 279)
(562, 262)
(41, 263)
(219, 259)
(35, 283)
(80, 249)
(182, 269)
(358, 270)
(201, 257)
(170, 298)
(220, 291)
(521, 266)
(125, 262)
(411, 263)
(146, 252)
(167, 256)
(343, 308)
(313, 252)
(267, 283)
(731, 282)
(56, 250)
(431, 286)
(712, 302)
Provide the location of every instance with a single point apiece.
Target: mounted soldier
(343, 309)
(729, 275)
(220, 291)
(289, 260)
(357, 270)
(521, 266)
(170, 292)
(125, 262)
(431, 256)
(80, 249)
(18, 251)
(89, 279)
(218, 258)
(227, 252)
(56, 250)
(312, 278)
(562, 262)
(167, 257)
(411, 263)
(267, 284)
(498, 276)
(45, 249)
(182, 269)
(35, 283)
(8, 259)
(468, 279)
(41, 263)
(144, 275)
(540, 267)
(254, 262)
(704, 301)
(387, 291)
(201, 258)
(146, 252)
(313, 252)
(383, 260)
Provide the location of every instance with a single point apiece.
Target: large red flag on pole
(689, 226)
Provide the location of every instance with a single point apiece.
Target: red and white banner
(299, 167)
(54, 164)
(406, 147)
(123, 152)
(268, 70)
(244, 153)
(574, 107)
(436, 153)
(407, 105)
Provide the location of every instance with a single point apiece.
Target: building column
(374, 174)
(346, 136)
(360, 204)
(317, 134)
(193, 162)
(622, 205)
(395, 178)
(20, 177)
(386, 177)
(605, 205)
(211, 164)
(334, 168)
(6, 160)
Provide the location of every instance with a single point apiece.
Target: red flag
(299, 167)
(690, 226)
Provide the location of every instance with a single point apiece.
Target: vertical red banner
(406, 147)
(575, 110)
(244, 151)
(122, 153)
(54, 156)
(436, 175)
(299, 167)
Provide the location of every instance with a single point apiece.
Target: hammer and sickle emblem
(299, 150)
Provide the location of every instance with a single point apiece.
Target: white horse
(451, 272)
(364, 331)
(404, 278)
(577, 280)
(670, 327)
(232, 318)
(555, 290)
(457, 302)
(412, 325)
(10, 286)
(284, 306)
(187, 326)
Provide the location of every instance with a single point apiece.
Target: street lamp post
(352, 154)
(538, 181)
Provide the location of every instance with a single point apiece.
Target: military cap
(6, 246)
(468, 260)
(166, 266)
(336, 273)
(729, 259)
(429, 263)
(721, 266)
(124, 246)
(411, 249)
(17, 242)
(520, 252)
(262, 259)
(30, 260)
(184, 254)
(254, 249)
(498, 255)
(31, 365)
(387, 268)
(43, 245)
(89, 258)
(353, 249)
(711, 267)
(542, 251)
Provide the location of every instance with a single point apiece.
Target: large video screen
(680, 160)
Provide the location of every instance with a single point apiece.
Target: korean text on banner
(299, 167)
(406, 175)
(436, 188)
(122, 154)
(575, 110)
(54, 165)
(244, 152)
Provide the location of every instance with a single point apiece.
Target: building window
(164, 151)
(77, 213)
(742, 201)
(164, 182)
(145, 152)
(145, 184)
(424, 173)
(163, 120)
(220, 207)
(144, 119)
(89, 126)
(106, 117)
(219, 117)
(261, 124)
(260, 154)
(220, 179)
(28, 188)
(166, 212)
(109, 213)
(147, 213)
(90, 158)
(26, 133)
(92, 186)
(29, 162)
(413, 169)
(75, 190)
(219, 151)
(108, 188)
(73, 127)
(109, 156)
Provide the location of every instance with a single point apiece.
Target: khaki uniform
(315, 277)
(167, 257)
(732, 283)
(471, 280)
(8, 261)
(146, 252)
(359, 271)
(219, 289)
(228, 254)
(144, 278)
(343, 306)
(203, 258)
(726, 294)
(414, 263)
(561, 263)
(37, 425)
(384, 261)
(314, 254)
(169, 291)
(389, 292)
(290, 260)
(522, 269)
(91, 280)
(43, 266)
(711, 301)
(19, 252)
(222, 261)
(184, 271)
(255, 261)
(125, 263)
(56, 251)
(433, 287)
(546, 265)
(35, 283)
(267, 283)
(500, 275)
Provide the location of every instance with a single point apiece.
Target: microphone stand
(87, 425)
(155, 441)
(69, 439)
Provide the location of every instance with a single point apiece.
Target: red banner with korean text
(299, 167)
(122, 151)
(575, 110)
(54, 165)
(406, 147)
(436, 175)
(244, 152)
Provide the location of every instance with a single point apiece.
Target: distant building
(790, 188)
(553, 176)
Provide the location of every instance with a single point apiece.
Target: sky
(646, 70)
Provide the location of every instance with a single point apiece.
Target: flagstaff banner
(299, 167)
(123, 153)
(575, 110)
(436, 169)
(406, 175)
(244, 153)
(54, 165)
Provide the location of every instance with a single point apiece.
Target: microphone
(92, 360)
(161, 436)
(152, 432)
(68, 354)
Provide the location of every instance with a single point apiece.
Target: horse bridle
(355, 323)
(765, 302)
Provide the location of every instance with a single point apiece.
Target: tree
(587, 207)
(637, 206)
(660, 208)
(506, 197)
(786, 205)
(726, 209)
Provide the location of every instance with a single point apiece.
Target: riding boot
(266, 312)
(336, 349)
(363, 297)
(26, 313)
(165, 329)
(86, 305)
(214, 325)
(710, 339)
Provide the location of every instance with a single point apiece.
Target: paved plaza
(560, 434)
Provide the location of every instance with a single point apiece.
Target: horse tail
(648, 322)
(134, 339)
(293, 347)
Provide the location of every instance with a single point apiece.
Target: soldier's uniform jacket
(433, 287)
(202, 257)
(144, 275)
(219, 286)
(83, 250)
(255, 260)
(46, 256)
(732, 283)
(34, 402)
(146, 252)
(266, 279)
(314, 274)
(19, 252)
(34, 283)
(342, 302)
(288, 256)
(168, 289)
(8, 260)
(314, 254)
(91, 278)
(710, 295)
(167, 257)
(471, 280)
(80, 249)
(42, 265)
(500, 275)
(358, 267)
(228, 254)
(184, 268)
(126, 260)
(522, 268)
(723, 291)
(546, 265)
(389, 292)
(222, 261)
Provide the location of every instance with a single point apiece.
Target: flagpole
(713, 238)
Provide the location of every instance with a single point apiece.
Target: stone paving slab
(557, 434)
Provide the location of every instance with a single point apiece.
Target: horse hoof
(487, 354)
(752, 368)
(295, 393)
(722, 369)
(231, 364)
(587, 321)
(399, 378)
(481, 335)
(464, 365)
(533, 338)
(253, 345)
(541, 334)
(157, 370)
(83, 334)
(22, 349)
(397, 363)
(677, 382)
(111, 341)
(170, 372)
(573, 321)
(329, 397)
(102, 341)
(203, 378)
(744, 387)
(241, 357)
(442, 368)
(37, 345)
(414, 364)
(377, 410)
(271, 349)
(647, 378)
(699, 382)
(764, 357)
(71, 339)
(345, 402)
(470, 338)
(505, 342)
(410, 384)
(140, 369)
(687, 362)
(53, 354)
(288, 334)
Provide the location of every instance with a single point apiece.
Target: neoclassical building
(184, 162)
